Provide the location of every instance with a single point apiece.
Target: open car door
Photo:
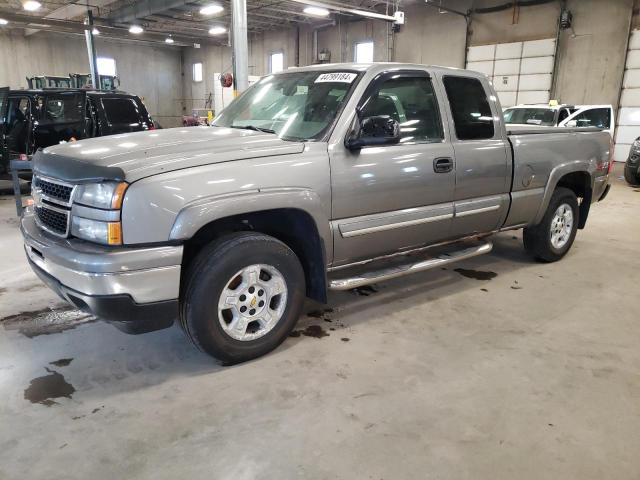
(4, 151)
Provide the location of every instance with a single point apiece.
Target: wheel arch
(301, 229)
(577, 178)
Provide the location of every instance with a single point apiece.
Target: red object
(23, 156)
(226, 79)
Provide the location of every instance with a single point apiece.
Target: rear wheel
(552, 238)
(243, 296)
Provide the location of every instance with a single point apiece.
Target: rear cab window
(470, 109)
(122, 111)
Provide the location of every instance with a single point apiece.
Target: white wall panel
(621, 152)
(506, 67)
(631, 79)
(481, 52)
(540, 81)
(521, 71)
(507, 99)
(508, 50)
(485, 67)
(629, 116)
(533, 96)
(630, 97)
(539, 48)
(537, 65)
(633, 59)
(627, 134)
(505, 83)
(628, 124)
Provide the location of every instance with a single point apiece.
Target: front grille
(53, 220)
(54, 190)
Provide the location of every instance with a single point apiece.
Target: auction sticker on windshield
(343, 77)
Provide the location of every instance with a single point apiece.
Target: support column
(91, 50)
(240, 45)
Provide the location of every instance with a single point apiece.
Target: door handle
(443, 165)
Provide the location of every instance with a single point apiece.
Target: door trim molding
(391, 226)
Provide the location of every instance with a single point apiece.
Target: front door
(483, 167)
(4, 153)
(393, 197)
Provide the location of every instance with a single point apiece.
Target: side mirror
(571, 124)
(378, 130)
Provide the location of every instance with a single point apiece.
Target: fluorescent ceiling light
(31, 5)
(3, 21)
(316, 11)
(217, 30)
(95, 31)
(168, 40)
(211, 9)
(135, 29)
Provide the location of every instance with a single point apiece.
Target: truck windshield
(294, 106)
(530, 116)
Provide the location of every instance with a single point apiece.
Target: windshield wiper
(253, 127)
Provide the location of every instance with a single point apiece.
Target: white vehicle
(600, 116)
(543, 115)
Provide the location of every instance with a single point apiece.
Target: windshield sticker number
(342, 77)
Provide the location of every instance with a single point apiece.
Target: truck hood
(132, 156)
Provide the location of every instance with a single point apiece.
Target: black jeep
(33, 119)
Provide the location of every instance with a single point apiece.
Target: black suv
(33, 119)
(632, 167)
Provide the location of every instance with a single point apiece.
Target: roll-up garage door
(521, 72)
(628, 125)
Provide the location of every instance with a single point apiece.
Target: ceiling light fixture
(168, 40)
(136, 29)
(316, 11)
(217, 30)
(3, 21)
(211, 9)
(31, 5)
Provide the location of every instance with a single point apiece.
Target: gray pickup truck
(316, 178)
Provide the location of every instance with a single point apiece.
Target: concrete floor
(533, 374)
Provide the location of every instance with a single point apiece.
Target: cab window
(595, 117)
(62, 108)
(470, 108)
(411, 102)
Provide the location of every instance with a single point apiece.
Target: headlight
(96, 212)
(106, 195)
(107, 233)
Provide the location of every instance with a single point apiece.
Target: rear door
(483, 167)
(4, 154)
(61, 118)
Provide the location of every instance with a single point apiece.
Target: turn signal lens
(118, 196)
(114, 233)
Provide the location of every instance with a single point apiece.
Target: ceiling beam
(144, 8)
(343, 9)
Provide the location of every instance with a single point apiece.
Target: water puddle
(476, 274)
(44, 389)
(46, 321)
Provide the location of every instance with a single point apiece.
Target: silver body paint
(365, 204)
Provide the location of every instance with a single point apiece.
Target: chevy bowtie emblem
(253, 302)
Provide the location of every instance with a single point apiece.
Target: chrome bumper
(147, 275)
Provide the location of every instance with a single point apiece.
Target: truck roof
(381, 66)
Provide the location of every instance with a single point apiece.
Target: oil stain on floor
(44, 389)
(476, 274)
(315, 331)
(46, 321)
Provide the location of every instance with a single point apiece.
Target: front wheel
(243, 296)
(552, 238)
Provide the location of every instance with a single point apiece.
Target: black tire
(207, 276)
(631, 178)
(537, 239)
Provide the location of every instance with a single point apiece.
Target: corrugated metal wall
(521, 72)
(628, 128)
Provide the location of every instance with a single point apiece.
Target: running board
(404, 269)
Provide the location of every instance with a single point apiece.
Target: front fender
(203, 211)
